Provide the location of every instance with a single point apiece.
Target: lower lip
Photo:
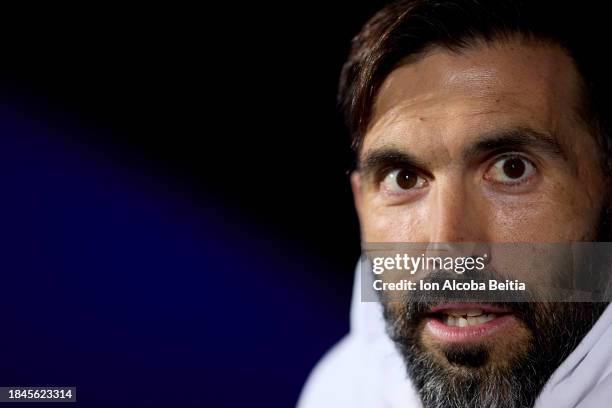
(456, 334)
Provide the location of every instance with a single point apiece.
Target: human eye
(510, 170)
(400, 181)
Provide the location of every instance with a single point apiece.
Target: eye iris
(406, 180)
(514, 168)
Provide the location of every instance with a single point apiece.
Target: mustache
(417, 305)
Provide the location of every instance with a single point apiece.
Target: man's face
(482, 146)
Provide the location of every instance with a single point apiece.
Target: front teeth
(467, 318)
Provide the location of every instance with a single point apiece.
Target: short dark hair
(406, 28)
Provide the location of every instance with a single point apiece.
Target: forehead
(448, 94)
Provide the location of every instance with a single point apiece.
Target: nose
(456, 212)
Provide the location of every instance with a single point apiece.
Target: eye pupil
(514, 168)
(406, 179)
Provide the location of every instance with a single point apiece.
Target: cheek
(553, 214)
(394, 224)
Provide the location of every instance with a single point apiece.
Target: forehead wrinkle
(420, 116)
(402, 124)
(439, 103)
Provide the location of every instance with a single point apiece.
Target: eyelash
(512, 155)
(383, 172)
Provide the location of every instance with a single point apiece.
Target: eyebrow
(515, 139)
(386, 158)
(519, 138)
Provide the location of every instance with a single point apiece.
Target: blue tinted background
(176, 222)
(117, 283)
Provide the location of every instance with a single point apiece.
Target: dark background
(177, 221)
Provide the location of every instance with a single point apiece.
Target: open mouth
(457, 322)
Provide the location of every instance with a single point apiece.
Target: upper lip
(485, 307)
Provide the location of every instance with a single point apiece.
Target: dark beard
(469, 379)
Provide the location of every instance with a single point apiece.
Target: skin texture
(437, 108)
